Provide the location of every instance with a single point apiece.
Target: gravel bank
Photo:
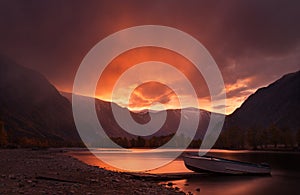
(25, 171)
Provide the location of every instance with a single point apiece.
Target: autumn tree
(264, 138)
(121, 141)
(287, 137)
(252, 138)
(140, 142)
(235, 138)
(195, 143)
(274, 134)
(132, 143)
(154, 142)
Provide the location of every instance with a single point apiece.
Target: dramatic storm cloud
(253, 42)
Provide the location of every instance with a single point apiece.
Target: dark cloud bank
(248, 39)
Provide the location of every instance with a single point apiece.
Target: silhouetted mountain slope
(170, 126)
(32, 108)
(278, 104)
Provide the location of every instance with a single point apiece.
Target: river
(284, 179)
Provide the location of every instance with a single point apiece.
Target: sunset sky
(253, 42)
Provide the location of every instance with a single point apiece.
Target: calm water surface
(285, 178)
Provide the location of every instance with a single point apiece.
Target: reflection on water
(285, 176)
(136, 160)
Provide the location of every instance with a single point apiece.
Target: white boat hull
(224, 166)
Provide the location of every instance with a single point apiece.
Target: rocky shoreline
(27, 171)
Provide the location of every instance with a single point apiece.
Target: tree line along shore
(272, 138)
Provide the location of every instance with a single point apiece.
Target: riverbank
(26, 171)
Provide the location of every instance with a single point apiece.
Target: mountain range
(113, 129)
(32, 109)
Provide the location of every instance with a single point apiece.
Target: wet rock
(115, 180)
(170, 184)
(94, 180)
(74, 176)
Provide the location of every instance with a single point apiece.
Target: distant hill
(32, 110)
(277, 104)
(111, 127)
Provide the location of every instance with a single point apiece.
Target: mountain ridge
(31, 107)
(276, 104)
(103, 108)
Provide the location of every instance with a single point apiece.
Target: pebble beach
(27, 171)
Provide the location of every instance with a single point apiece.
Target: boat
(211, 164)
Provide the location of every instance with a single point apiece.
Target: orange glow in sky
(146, 94)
